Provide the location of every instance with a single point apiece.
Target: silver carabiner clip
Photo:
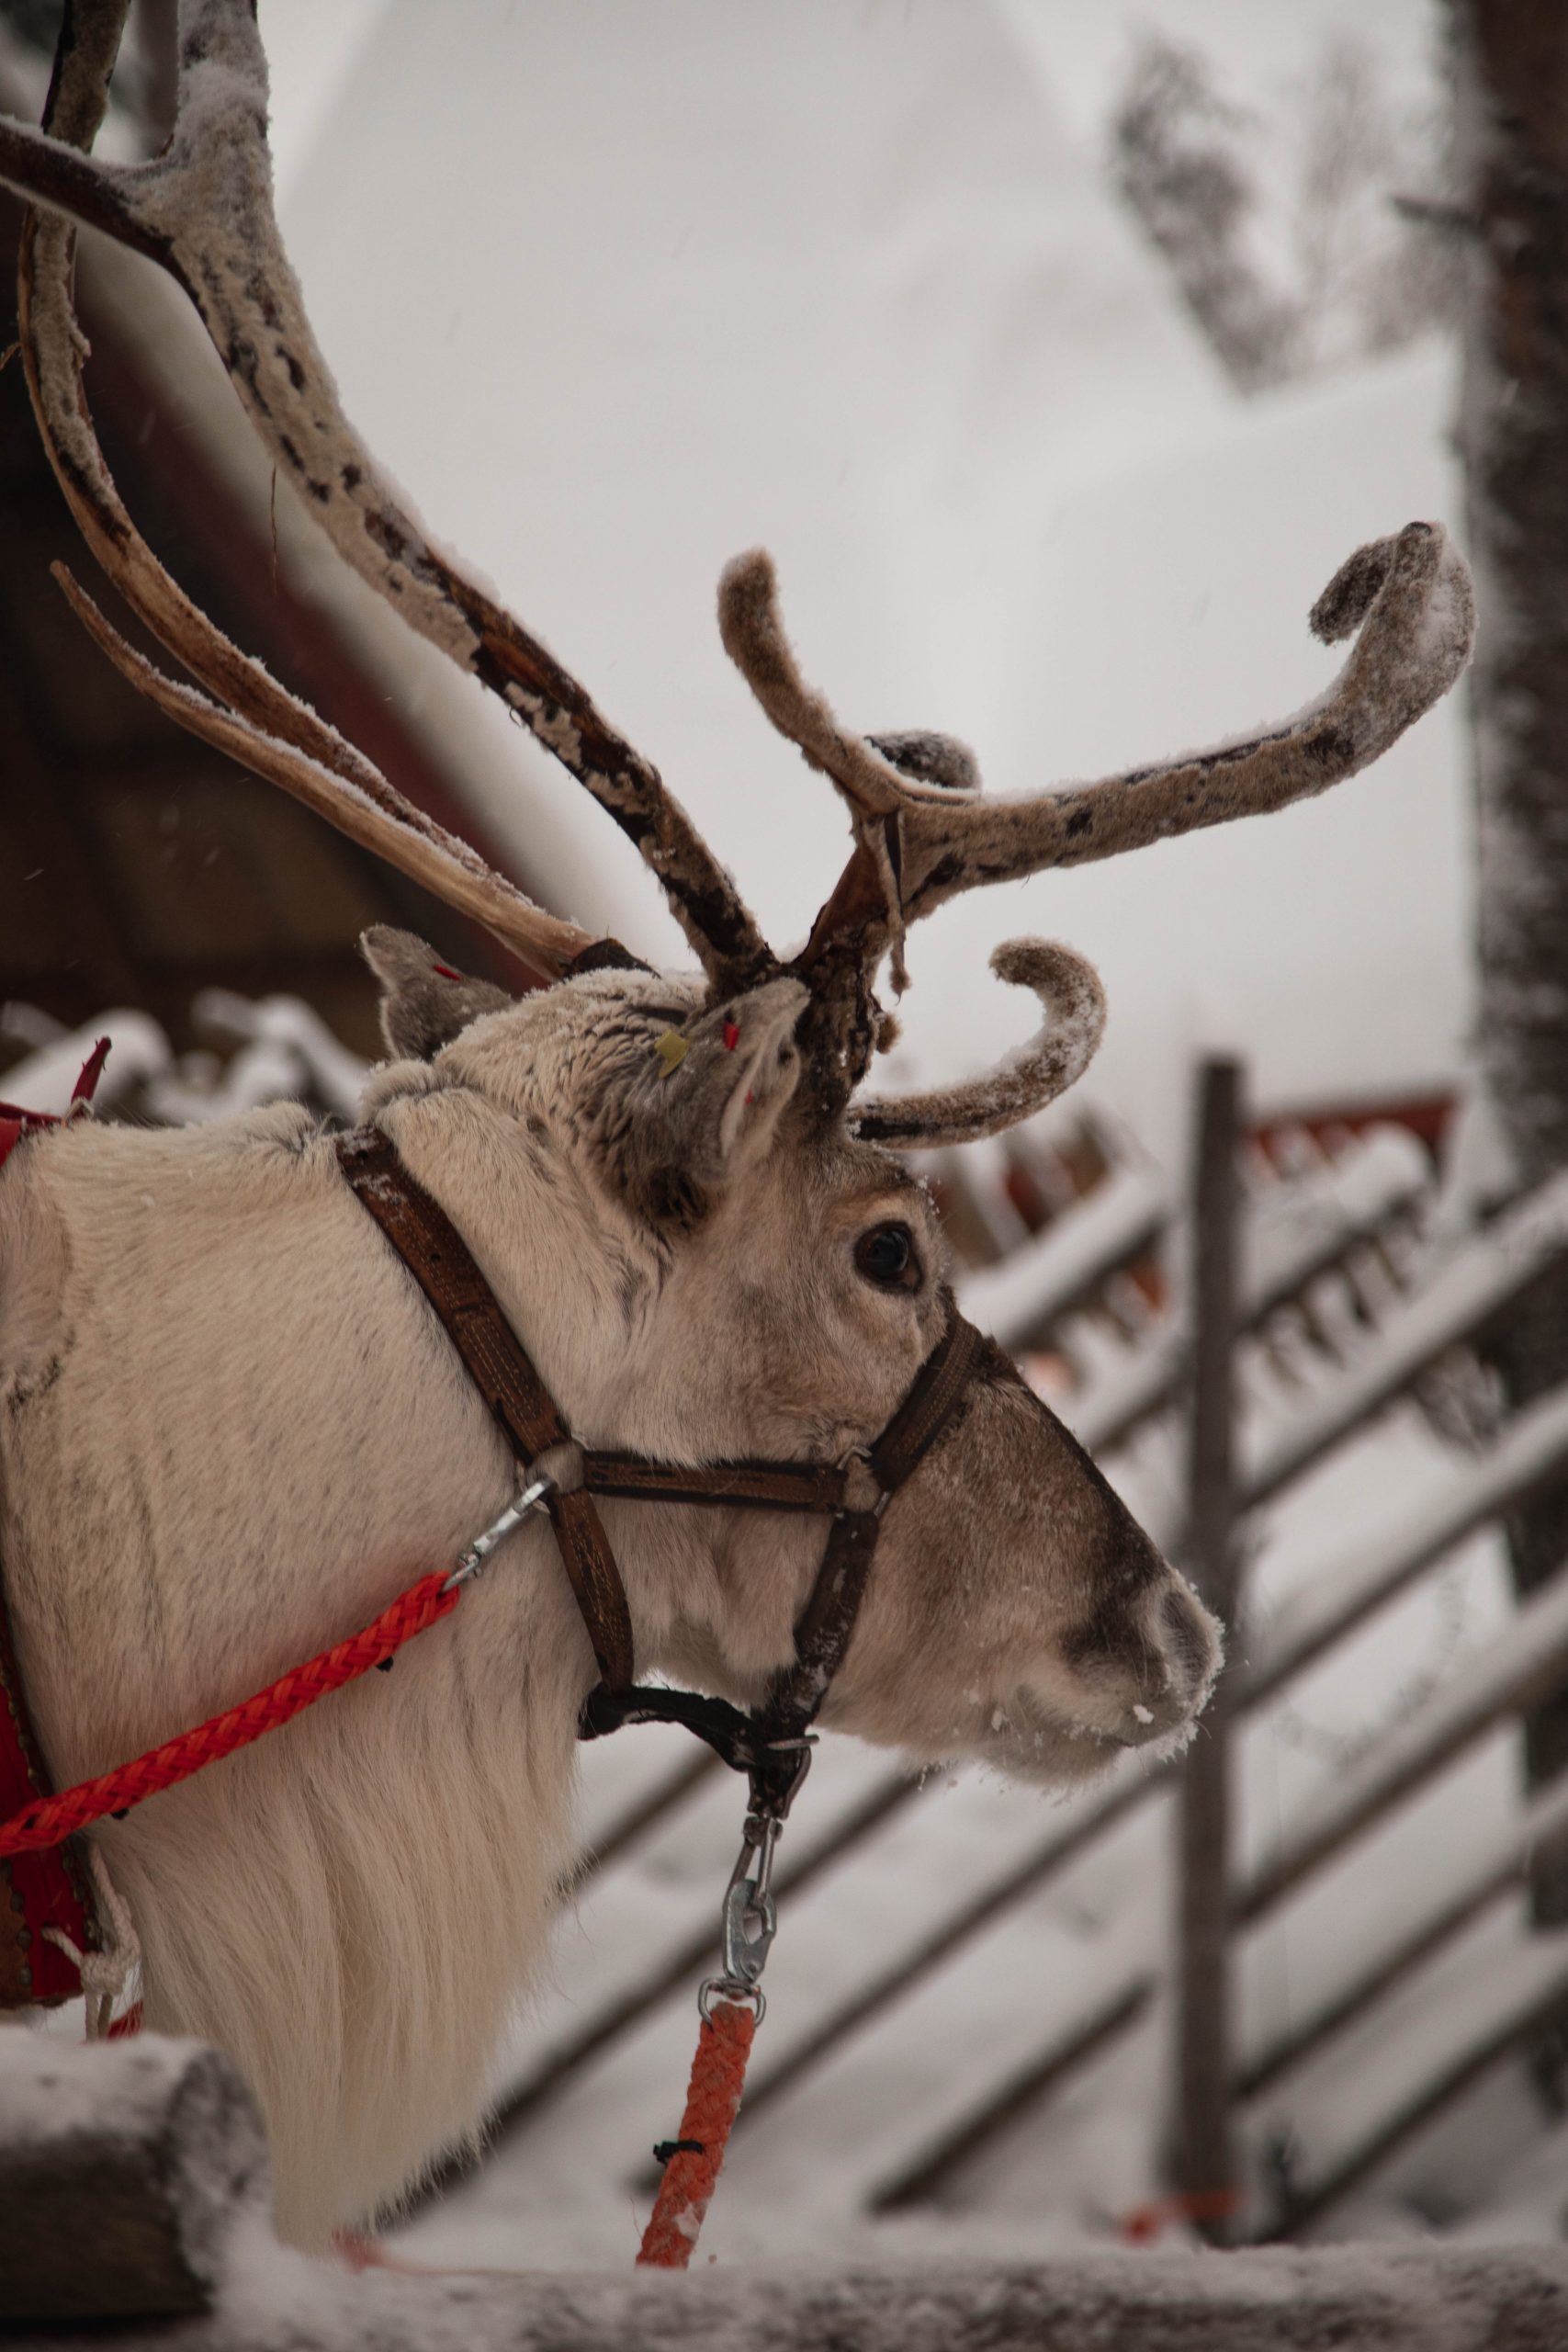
(750, 1921)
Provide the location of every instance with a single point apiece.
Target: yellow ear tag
(671, 1050)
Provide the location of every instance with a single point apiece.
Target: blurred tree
(1285, 237)
(1177, 162)
(1511, 221)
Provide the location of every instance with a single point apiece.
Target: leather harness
(771, 1743)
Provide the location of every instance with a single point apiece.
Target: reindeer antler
(924, 831)
(1026, 1080)
(203, 209)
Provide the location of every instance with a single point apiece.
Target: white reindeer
(230, 1428)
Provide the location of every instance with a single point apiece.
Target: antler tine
(1025, 1081)
(1411, 597)
(752, 627)
(329, 774)
(543, 941)
(203, 209)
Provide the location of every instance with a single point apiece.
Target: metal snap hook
(471, 1563)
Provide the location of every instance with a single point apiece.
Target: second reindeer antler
(203, 209)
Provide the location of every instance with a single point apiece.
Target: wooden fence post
(1204, 2157)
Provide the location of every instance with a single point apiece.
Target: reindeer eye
(886, 1255)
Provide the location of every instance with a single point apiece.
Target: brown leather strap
(441, 1262)
(761, 1486)
(825, 1623)
(939, 1385)
(822, 1630)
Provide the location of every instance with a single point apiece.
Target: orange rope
(49, 1821)
(712, 2100)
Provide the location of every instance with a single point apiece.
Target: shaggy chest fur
(227, 1434)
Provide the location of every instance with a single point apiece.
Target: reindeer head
(771, 1274)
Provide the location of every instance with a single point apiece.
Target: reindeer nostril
(1189, 1641)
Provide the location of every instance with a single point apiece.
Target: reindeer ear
(706, 1101)
(424, 1003)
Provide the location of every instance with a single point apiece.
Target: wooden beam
(1203, 2157)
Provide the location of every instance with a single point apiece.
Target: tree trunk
(1511, 83)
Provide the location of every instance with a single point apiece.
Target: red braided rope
(713, 2101)
(48, 1820)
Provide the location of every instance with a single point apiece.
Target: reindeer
(233, 1428)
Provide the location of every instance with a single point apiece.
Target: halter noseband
(771, 1743)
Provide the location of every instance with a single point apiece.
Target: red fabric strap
(48, 1820)
(37, 1891)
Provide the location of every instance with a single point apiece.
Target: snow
(1022, 1293)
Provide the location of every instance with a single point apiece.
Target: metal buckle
(472, 1561)
(749, 1920)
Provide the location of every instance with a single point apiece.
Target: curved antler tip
(748, 592)
(930, 758)
(1066, 979)
(1033, 1075)
(1348, 599)
(1420, 551)
(751, 566)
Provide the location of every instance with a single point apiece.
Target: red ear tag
(87, 1086)
(446, 972)
(732, 1036)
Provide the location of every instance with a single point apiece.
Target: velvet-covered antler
(203, 209)
(924, 831)
(1021, 1084)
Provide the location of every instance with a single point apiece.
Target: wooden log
(172, 2252)
(124, 2168)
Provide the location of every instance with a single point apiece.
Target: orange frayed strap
(713, 2101)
